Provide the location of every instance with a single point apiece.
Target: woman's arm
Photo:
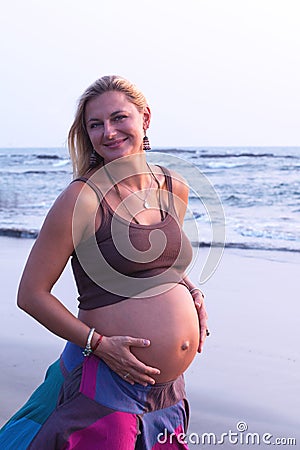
(181, 193)
(60, 234)
(46, 262)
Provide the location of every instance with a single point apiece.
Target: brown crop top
(122, 260)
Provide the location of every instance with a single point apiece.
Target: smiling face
(115, 126)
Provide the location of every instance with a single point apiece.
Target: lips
(116, 143)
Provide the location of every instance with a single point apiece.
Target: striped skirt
(84, 405)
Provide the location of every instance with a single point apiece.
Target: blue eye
(120, 117)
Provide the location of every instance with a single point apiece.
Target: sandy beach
(248, 373)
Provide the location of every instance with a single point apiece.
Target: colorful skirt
(84, 405)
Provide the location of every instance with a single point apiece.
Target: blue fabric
(18, 432)
(114, 392)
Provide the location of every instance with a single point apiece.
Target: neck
(130, 170)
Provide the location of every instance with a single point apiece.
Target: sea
(256, 189)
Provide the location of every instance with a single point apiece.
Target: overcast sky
(215, 72)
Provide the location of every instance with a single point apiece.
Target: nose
(109, 130)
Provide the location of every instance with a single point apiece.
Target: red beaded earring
(146, 143)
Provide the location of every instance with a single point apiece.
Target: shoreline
(249, 369)
(32, 233)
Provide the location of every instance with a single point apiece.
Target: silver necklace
(146, 205)
(115, 185)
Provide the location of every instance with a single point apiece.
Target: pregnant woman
(119, 381)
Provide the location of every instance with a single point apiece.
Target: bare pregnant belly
(167, 318)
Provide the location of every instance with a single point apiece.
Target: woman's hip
(94, 379)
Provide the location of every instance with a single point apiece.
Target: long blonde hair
(80, 146)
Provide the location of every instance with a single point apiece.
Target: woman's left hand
(202, 316)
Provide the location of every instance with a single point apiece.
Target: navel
(185, 345)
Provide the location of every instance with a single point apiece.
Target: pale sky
(215, 72)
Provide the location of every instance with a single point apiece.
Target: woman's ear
(147, 117)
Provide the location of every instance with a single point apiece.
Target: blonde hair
(80, 146)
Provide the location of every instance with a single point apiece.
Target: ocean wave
(44, 172)
(212, 155)
(31, 158)
(245, 246)
(240, 155)
(47, 156)
(62, 162)
(38, 172)
(175, 150)
(224, 165)
(267, 233)
(31, 155)
(19, 233)
(233, 200)
(242, 201)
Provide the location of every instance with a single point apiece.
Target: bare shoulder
(64, 227)
(180, 190)
(179, 183)
(71, 213)
(77, 192)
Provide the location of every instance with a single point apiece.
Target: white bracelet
(88, 348)
(196, 289)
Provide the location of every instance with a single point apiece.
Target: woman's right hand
(115, 351)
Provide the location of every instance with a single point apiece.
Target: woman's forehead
(109, 102)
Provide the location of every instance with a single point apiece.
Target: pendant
(146, 204)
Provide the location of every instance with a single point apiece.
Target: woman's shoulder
(77, 195)
(179, 183)
(82, 188)
(71, 212)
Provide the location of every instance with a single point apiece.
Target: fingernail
(146, 342)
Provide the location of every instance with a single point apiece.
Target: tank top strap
(92, 185)
(169, 184)
(102, 203)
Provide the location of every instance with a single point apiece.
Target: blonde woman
(119, 381)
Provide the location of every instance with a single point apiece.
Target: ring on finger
(126, 375)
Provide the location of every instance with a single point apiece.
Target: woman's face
(115, 126)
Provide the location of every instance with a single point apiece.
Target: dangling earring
(95, 159)
(146, 143)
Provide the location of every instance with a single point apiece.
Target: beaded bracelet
(196, 289)
(97, 343)
(88, 349)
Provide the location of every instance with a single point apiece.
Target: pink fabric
(116, 431)
(88, 383)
